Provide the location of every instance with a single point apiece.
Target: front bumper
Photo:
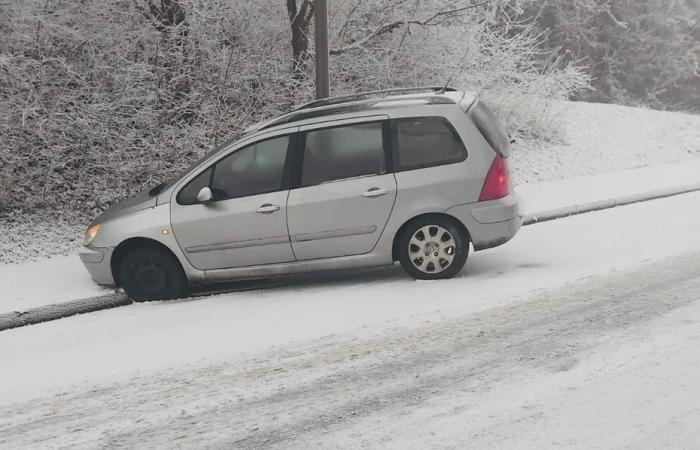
(97, 261)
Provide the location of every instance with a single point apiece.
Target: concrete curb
(60, 310)
(567, 211)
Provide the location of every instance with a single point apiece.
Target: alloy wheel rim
(432, 249)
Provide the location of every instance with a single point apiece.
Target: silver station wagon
(410, 175)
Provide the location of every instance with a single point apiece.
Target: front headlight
(91, 233)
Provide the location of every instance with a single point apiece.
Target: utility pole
(321, 40)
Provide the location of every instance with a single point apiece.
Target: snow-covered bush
(102, 98)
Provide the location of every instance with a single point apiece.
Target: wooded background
(102, 98)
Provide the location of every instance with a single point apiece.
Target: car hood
(140, 201)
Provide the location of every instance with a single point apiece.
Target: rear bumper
(492, 223)
(97, 262)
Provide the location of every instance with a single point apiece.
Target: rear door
(345, 195)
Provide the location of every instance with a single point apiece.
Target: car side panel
(437, 189)
(335, 219)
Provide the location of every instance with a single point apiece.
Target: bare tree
(300, 20)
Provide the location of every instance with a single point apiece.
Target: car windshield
(207, 156)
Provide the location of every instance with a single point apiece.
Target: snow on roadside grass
(601, 138)
(551, 195)
(27, 237)
(45, 281)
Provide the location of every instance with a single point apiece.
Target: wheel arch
(132, 243)
(399, 232)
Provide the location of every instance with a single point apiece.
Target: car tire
(433, 248)
(152, 274)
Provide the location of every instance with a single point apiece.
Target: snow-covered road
(581, 333)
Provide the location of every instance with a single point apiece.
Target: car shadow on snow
(338, 278)
(487, 268)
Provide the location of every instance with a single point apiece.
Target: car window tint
(343, 152)
(255, 169)
(188, 194)
(426, 141)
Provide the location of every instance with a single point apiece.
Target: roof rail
(372, 94)
(340, 108)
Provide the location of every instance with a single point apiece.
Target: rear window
(489, 126)
(425, 142)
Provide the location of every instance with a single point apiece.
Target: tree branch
(389, 27)
(301, 18)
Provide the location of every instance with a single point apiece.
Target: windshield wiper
(157, 189)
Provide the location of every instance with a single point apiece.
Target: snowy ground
(580, 333)
(45, 281)
(597, 138)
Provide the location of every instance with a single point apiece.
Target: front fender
(151, 223)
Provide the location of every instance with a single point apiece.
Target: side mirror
(204, 195)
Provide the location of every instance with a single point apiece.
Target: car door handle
(375, 192)
(267, 208)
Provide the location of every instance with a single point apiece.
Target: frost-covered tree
(638, 52)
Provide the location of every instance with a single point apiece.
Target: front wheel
(151, 274)
(433, 248)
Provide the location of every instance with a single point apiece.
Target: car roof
(371, 101)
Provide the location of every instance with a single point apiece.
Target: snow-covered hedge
(100, 99)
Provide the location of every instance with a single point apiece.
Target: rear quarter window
(490, 127)
(188, 194)
(420, 142)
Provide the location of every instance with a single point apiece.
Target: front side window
(343, 152)
(424, 142)
(255, 169)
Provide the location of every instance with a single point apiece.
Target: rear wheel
(151, 274)
(433, 248)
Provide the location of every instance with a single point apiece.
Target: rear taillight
(496, 184)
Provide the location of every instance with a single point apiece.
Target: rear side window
(343, 152)
(424, 142)
(489, 126)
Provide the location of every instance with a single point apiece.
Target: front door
(246, 222)
(345, 195)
